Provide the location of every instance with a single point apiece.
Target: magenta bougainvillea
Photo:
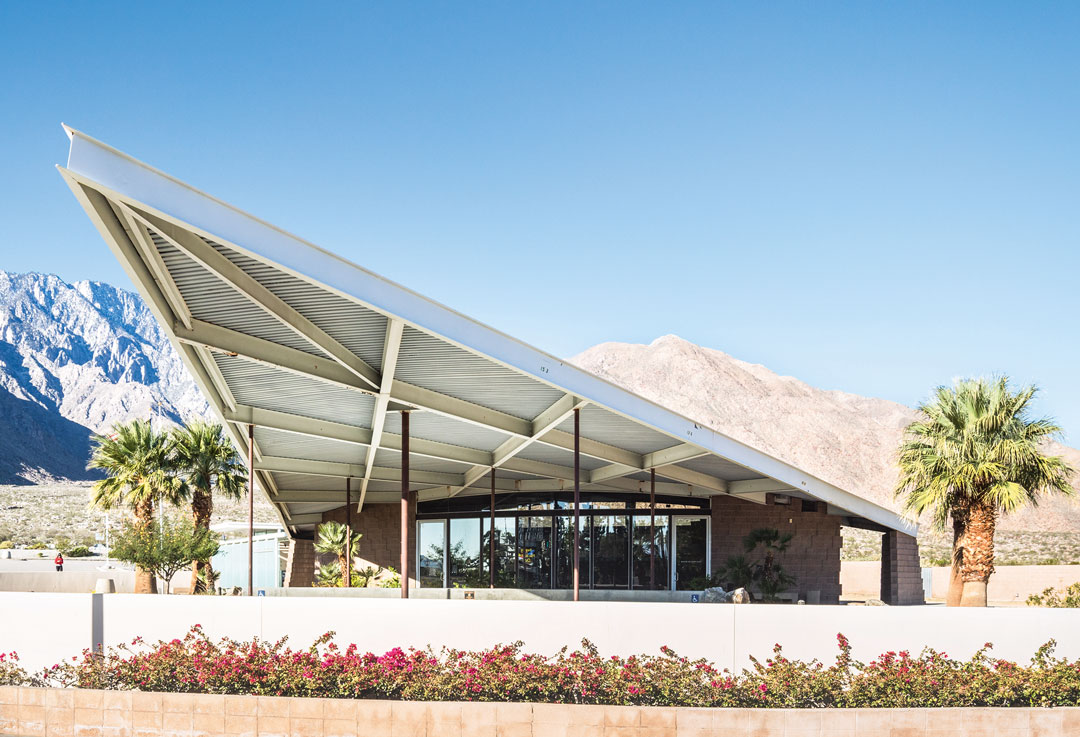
(197, 664)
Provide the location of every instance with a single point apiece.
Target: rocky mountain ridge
(74, 359)
(845, 439)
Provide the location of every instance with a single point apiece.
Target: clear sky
(874, 197)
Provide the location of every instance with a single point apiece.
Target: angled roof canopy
(320, 355)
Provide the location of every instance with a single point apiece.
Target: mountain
(74, 359)
(845, 439)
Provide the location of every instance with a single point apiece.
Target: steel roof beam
(277, 464)
(667, 456)
(391, 349)
(272, 354)
(547, 420)
(298, 424)
(253, 290)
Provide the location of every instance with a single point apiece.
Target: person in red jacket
(59, 561)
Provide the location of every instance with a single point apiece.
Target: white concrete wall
(45, 627)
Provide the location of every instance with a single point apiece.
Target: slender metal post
(405, 505)
(348, 532)
(251, 510)
(577, 504)
(491, 537)
(652, 528)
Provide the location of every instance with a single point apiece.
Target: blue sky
(874, 197)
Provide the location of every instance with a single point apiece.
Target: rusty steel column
(577, 504)
(491, 537)
(251, 510)
(348, 532)
(652, 528)
(405, 505)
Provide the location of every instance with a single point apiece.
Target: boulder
(716, 595)
(740, 596)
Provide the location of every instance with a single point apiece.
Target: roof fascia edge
(117, 171)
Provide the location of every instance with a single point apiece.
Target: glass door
(691, 546)
(647, 553)
(431, 554)
(564, 561)
(611, 551)
(534, 552)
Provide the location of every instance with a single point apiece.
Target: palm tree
(975, 454)
(206, 462)
(138, 466)
(333, 539)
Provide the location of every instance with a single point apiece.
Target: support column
(491, 536)
(652, 529)
(901, 573)
(577, 503)
(348, 532)
(251, 510)
(300, 564)
(405, 505)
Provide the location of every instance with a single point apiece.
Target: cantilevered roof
(321, 355)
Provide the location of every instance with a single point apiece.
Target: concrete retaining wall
(46, 627)
(32, 712)
(1009, 584)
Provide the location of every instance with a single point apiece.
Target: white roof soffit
(148, 219)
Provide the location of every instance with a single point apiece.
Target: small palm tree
(975, 454)
(207, 463)
(137, 461)
(768, 574)
(333, 539)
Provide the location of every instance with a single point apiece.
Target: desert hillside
(842, 438)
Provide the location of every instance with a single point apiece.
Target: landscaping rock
(740, 596)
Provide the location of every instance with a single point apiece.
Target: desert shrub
(79, 551)
(38, 546)
(197, 664)
(1067, 598)
(6, 545)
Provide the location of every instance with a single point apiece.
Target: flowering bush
(1068, 598)
(196, 664)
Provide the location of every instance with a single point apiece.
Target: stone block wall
(300, 565)
(48, 712)
(901, 573)
(813, 557)
(380, 528)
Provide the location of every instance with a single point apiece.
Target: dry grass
(43, 513)
(1012, 548)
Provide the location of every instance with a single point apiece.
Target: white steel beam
(391, 349)
(277, 464)
(543, 423)
(253, 290)
(301, 425)
(239, 344)
(140, 237)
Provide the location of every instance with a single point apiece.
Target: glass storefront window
(564, 563)
(641, 549)
(534, 552)
(463, 557)
(432, 546)
(691, 550)
(611, 550)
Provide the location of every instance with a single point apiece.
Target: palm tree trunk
(145, 581)
(978, 563)
(343, 563)
(202, 508)
(956, 583)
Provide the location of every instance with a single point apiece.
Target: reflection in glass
(463, 558)
(611, 549)
(505, 543)
(564, 562)
(691, 539)
(641, 549)
(430, 559)
(534, 553)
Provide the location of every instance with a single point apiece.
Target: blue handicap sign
(262, 592)
(694, 598)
